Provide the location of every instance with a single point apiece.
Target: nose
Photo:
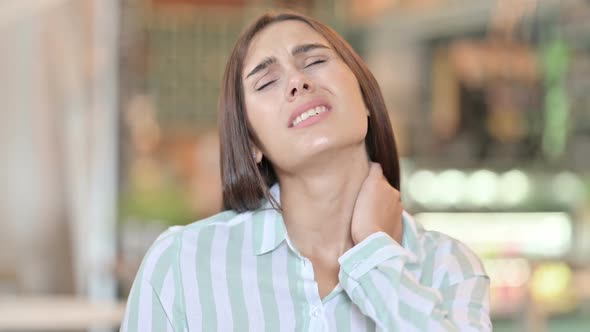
(299, 84)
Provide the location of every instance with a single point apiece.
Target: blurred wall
(58, 128)
(33, 228)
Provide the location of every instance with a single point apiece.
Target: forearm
(376, 277)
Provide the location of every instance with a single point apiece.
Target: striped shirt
(240, 272)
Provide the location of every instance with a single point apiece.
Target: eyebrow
(263, 65)
(303, 48)
(306, 48)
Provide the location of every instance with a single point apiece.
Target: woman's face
(301, 99)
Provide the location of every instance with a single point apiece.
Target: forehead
(279, 38)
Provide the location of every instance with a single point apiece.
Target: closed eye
(315, 63)
(265, 85)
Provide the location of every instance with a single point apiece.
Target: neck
(318, 203)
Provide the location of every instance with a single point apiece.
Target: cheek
(348, 88)
(261, 119)
(354, 104)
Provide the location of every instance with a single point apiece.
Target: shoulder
(165, 253)
(447, 257)
(219, 222)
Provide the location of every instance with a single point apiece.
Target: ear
(256, 154)
(367, 111)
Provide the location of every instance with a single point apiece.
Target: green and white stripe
(240, 272)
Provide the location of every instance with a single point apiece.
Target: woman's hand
(378, 208)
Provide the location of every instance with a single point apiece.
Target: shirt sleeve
(376, 276)
(152, 304)
(145, 311)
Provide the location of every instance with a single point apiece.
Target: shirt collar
(269, 229)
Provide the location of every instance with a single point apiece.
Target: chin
(330, 148)
(313, 149)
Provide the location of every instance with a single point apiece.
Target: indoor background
(108, 136)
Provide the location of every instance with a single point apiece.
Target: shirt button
(315, 311)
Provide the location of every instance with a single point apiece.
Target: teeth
(308, 114)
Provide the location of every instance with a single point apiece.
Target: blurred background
(108, 136)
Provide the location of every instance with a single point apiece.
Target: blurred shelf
(455, 18)
(58, 313)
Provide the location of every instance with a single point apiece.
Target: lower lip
(312, 120)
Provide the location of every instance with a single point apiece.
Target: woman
(314, 237)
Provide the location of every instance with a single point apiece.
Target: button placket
(315, 311)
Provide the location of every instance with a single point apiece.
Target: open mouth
(313, 112)
(309, 113)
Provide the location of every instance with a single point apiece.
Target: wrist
(359, 238)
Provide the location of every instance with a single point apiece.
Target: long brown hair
(245, 183)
